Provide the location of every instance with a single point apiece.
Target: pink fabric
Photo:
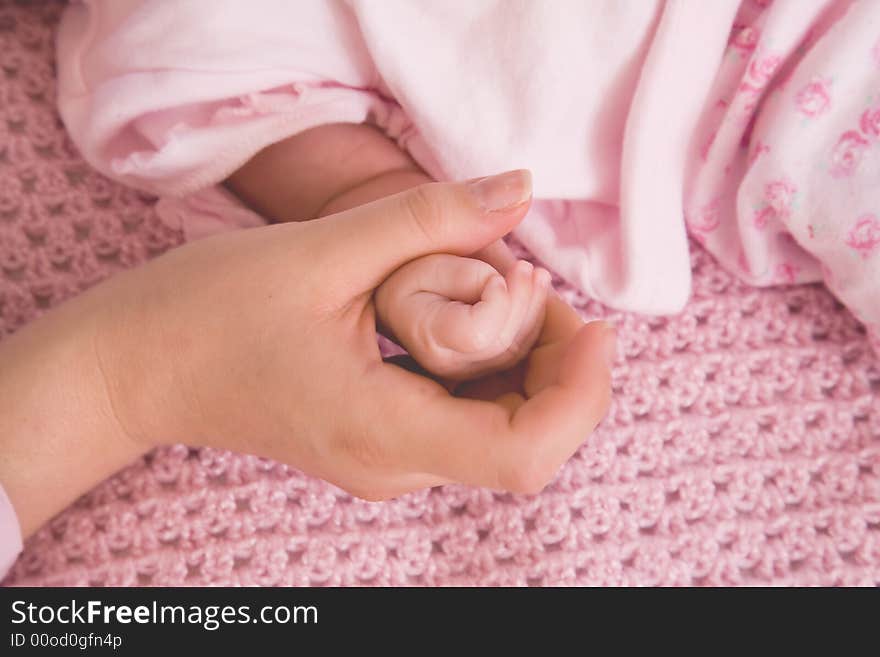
(753, 126)
(10, 533)
(742, 446)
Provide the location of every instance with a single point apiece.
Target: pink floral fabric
(790, 173)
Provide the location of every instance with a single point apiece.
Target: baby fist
(459, 318)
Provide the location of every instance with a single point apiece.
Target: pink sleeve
(174, 99)
(10, 534)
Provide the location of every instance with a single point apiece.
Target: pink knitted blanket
(742, 446)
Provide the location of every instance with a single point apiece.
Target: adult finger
(483, 443)
(366, 244)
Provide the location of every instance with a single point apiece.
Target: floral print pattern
(870, 121)
(848, 153)
(814, 99)
(793, 151)
(864, 236)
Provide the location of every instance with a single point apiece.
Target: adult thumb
(369, 242)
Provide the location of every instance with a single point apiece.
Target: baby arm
(458, 317)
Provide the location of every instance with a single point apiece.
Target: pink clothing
(10, 534)
(753, 126)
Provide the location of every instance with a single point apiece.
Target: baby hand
(459, 318)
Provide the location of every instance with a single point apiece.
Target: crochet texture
(742, 446)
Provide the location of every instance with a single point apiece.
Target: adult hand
(264, 341)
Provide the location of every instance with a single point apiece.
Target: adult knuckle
(424, 207)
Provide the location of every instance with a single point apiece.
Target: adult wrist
(59, 436)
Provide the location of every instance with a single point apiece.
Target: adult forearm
(58, 433)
